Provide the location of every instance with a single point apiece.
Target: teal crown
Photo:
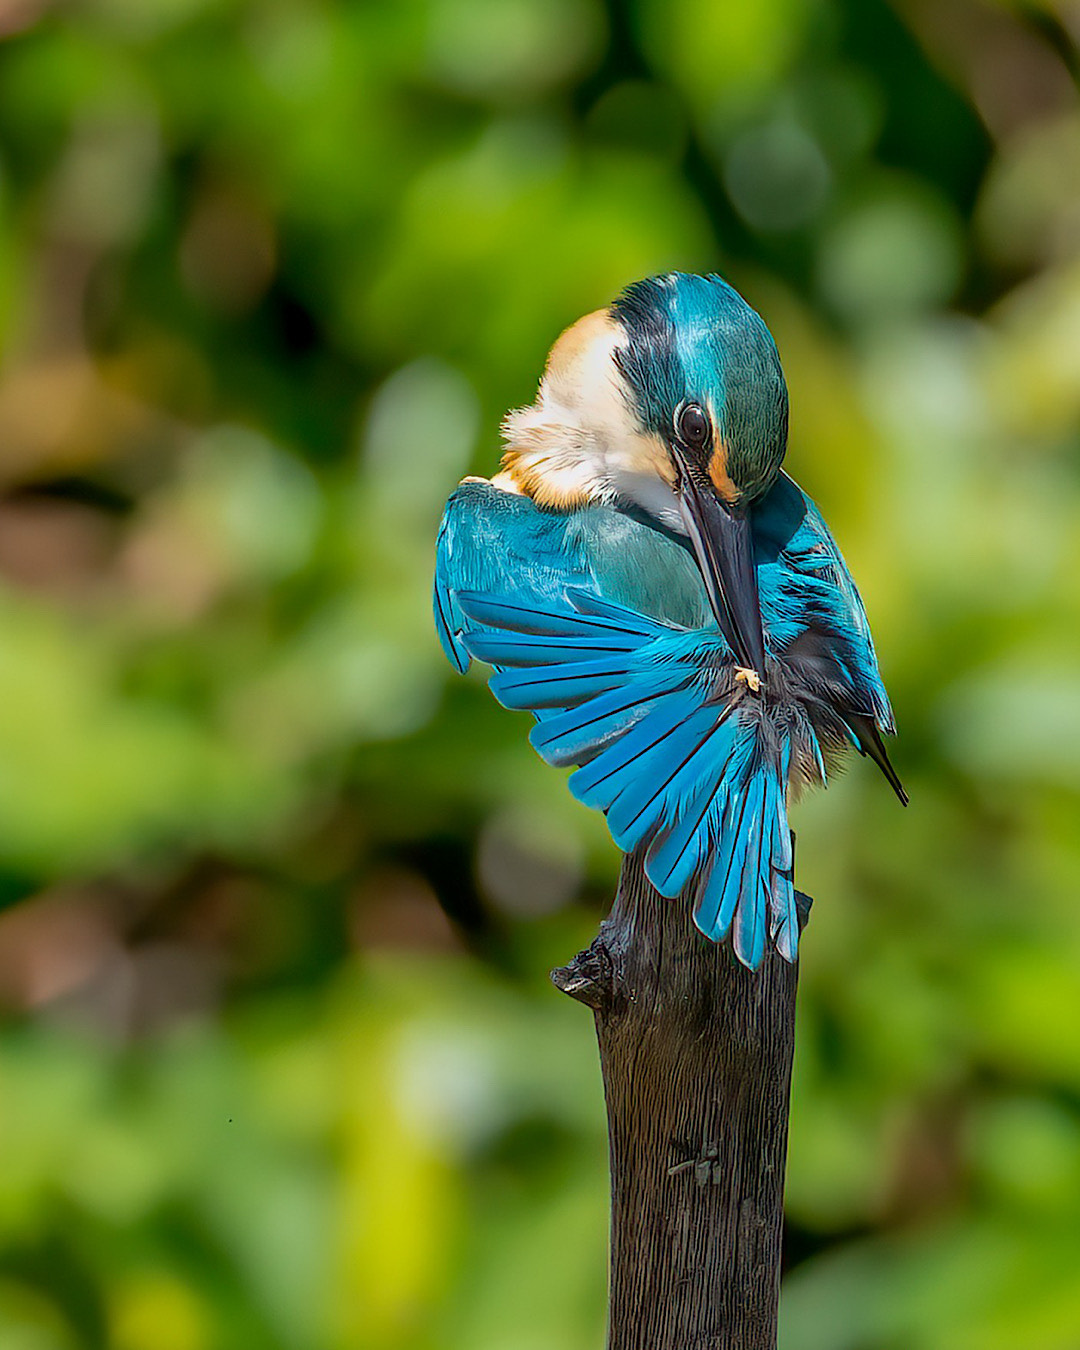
(695, 339)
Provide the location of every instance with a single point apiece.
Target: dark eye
(692, 425)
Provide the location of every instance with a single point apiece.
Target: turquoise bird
(668, 603)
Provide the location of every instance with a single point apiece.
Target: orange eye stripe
(718, 472)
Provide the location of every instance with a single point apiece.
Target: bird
(643, 577)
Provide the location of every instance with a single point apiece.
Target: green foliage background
(279, 1064)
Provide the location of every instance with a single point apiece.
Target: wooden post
(696, 1056)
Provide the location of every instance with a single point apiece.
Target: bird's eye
(692, 425)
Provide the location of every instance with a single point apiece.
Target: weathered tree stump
(696, 1056)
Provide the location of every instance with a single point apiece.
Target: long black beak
(724, 548)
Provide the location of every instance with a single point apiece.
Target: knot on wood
(589, 977)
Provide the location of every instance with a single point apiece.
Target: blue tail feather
(754, 884)
(718, 897)
(746, 886)
(785, 919)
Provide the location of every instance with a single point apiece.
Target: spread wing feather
(670, 747)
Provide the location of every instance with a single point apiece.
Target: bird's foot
(752, 680)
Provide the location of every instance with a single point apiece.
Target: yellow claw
(750, 678)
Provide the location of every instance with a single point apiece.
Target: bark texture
(696, 1056)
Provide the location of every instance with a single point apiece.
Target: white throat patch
(581, 440)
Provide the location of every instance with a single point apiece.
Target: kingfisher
(643, 577)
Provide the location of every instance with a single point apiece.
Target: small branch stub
(696, 1057)
(588, 977)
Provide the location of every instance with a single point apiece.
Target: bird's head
(671, 403)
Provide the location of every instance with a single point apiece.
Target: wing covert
(496, 542)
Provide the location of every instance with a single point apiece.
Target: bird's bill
(724, 549)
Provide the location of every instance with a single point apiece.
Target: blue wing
(668, 744)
